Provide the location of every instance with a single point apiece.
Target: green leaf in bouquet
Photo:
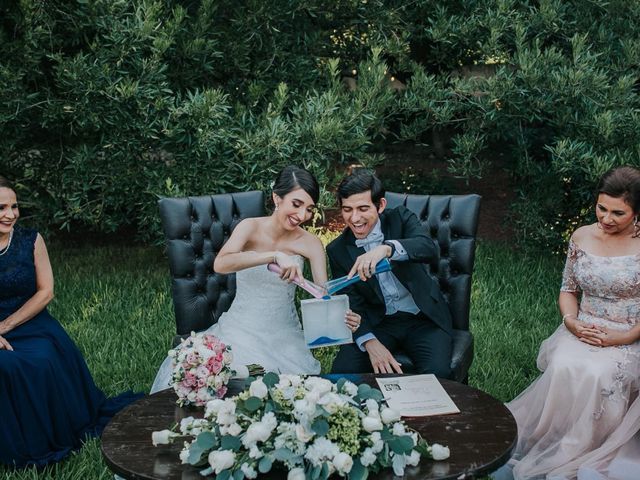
(401, 444)
(315, 472)
(229, 442)
(324, 473)
(238, 475)
(206, 440)
(283, 454)
(385, 434)
(321, 412)
(363, 390)
(358, 471)
(252, 404)
(195, 453)
(270, 379)
(265, 464)
(206, 471)
(340, 383)
(224, 475)
(248, 381)
(320, 426)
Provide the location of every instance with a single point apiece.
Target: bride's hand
(290, 267)
(353, 320)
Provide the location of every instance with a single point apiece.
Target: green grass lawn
(115, 302)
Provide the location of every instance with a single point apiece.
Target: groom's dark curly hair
(361, 181)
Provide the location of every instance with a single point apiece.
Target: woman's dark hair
(292, 177)
(622, 182)
(5, 183)
(361, 181)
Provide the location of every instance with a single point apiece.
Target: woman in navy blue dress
(49, 403)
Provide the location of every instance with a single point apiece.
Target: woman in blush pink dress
(580, 418)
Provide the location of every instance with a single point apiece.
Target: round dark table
(480, 437)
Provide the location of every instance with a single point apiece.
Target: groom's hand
(381, 358)
(365, 264)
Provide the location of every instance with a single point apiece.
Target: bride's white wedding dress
(262, 326)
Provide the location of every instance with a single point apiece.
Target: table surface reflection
(480, 438)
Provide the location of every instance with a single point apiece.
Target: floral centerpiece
(310, 426)
(201, 369)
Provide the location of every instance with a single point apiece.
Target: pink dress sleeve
(569, 280)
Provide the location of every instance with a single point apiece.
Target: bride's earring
(276, 209)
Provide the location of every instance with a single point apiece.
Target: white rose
(372, 407)
(368, 457)
(241, 372)
(221, 460)
(371, 424)
(317, 384)
(439, 452)
(398, 429)
(234, 429)
(331, 402)
(296, 474)
(343, 463)
(249, 471)
(184, 456)
(185, 424)
(258, 389)
(257, 432)
(350, 388)
(255, 452)
(389, 415)
(413, 458)
(302, 434)
(213, 407)
(398, 463)
(162, 437)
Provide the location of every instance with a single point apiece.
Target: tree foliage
(107, 104)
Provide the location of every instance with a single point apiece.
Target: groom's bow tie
(373, 239)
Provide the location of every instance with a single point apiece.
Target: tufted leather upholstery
(452, 221)
(195, 229)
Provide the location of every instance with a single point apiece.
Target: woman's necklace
(6, 249)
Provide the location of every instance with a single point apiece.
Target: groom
(403, 308)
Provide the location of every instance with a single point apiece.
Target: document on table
(416, 395)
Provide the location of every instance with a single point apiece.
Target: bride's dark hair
(292, 177)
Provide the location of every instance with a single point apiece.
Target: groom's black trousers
(427, 345)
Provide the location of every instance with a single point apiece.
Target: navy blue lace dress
(48, 401)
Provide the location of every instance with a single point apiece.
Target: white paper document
(416, 395)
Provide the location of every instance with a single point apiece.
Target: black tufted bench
(195, 229)
(452, 221)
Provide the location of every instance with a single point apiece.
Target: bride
(262, 325)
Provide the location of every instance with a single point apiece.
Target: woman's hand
(582, 330)
(4, 345)
(352, 319)
(290, 267)
(607, 337)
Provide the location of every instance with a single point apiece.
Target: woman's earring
(276, 207)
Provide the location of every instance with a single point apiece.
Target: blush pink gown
(581, 417)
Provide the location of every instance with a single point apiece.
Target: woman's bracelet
(275, 260)
(564, 317)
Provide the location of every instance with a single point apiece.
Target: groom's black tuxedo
(366, 298)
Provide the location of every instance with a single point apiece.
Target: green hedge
(106, 105)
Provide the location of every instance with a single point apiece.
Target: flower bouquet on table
(310, 426)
